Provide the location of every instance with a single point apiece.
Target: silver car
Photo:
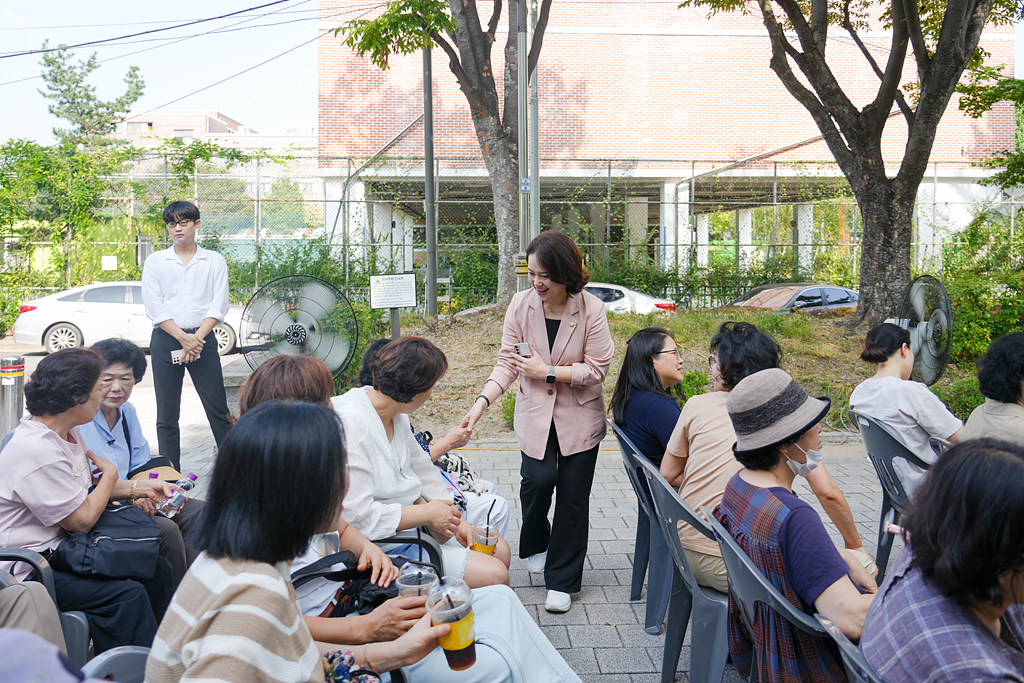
(84, 315)
(619, 299)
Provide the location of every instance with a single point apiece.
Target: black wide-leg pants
(208, 379)
(565, 540)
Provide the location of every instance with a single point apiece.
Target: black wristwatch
(550, 379)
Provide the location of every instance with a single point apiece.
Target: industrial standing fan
(299, 314)
(926, 313)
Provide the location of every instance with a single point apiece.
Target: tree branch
(453, 61)
(492, 25)
(510, 105)
(819, 23)
(912, 20)
(890, 79)
(538, 33)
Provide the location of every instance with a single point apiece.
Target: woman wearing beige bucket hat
(777, 434)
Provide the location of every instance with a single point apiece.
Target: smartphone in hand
(524, 350)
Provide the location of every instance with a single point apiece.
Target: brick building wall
(631, 80)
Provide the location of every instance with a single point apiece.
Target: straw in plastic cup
(452, 603)
(485, 536)
(414, 580)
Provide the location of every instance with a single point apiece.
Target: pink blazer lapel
(571, 321)
(536, 327)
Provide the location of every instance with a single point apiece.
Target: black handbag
(123, 544)
(357, 594)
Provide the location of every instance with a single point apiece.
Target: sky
(175, 63)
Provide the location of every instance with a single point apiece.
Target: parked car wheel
(225, 338)
(62, 336)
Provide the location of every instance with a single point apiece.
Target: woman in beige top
(699, 458)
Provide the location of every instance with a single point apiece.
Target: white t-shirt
(913, 412)
(314, 596)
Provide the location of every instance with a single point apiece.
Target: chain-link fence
(655, 225)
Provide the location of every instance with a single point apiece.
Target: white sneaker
(558, 602)
(535, 563)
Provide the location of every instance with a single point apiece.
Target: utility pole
(523, 68)
(534, 141)
(428, 184)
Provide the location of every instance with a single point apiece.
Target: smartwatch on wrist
(550, 379)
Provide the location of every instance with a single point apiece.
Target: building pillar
(703, 238)
(744, 238)
(804, 238)
(675, 236)
(599, 228)
(635, 234)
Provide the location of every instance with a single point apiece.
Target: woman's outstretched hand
(473, 416)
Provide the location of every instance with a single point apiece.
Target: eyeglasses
(711, 361)
(184, 224)
(675, 351)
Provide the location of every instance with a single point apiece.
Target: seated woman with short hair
(952, 608)
(394, 484)
(48, 489)
(1001, 381)
(777, 434)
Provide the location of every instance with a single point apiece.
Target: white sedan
(84, 315)
(619, 299)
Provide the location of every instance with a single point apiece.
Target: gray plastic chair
(125, 664)
(431, 547)
(709, 608)
(74, 624)
(939, 446)
(857, 668)
(750, 586)
(650, 552)
(6, 438)
(883, 445)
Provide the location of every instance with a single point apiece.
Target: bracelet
(486, 399)
(134, 496)
(366, 656)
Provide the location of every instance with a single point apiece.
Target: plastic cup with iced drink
(414, 580)
(485, 536)
(452, 603)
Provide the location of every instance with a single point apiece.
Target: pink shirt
(45, 479)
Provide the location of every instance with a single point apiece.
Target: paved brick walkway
(602, 636)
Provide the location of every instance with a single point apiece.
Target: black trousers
(208, 379)
(119, 611)
(174, 538)
(566, 539)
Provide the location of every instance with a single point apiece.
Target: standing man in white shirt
(185, 291)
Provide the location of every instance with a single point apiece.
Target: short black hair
(966, 520)
(181, 211)
(742, 350)
(62, 381)
(279, 479)
(882, 341)
(638, 373)
(365, 374)
(765, 458)
(561, 258)
(120, 350)
(1001, 369)
(407, 367)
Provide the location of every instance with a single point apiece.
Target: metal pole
(522, 87)
(12, 392)
(256, 232)
(534, 141)
(429, 207)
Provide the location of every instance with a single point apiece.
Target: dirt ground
(821, 353)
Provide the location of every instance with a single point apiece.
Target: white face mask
(802, 469)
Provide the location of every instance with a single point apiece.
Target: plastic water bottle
(171, 505)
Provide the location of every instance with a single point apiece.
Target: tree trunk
(503, 167)
(885, 249)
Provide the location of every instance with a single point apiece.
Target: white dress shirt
(185, 294)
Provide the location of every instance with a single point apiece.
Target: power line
(131, 23)
(141, 33)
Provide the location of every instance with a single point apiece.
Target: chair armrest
(37, 562)
(424, 540)
(6, 580)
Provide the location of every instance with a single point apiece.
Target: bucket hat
(769, 408)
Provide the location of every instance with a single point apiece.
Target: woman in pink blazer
(560, 412)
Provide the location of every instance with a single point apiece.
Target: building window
(183, 135)
(139, 127)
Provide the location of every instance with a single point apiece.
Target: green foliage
(961, 395)
(508, 405)
(695, 382)
(75, 100)
(372, 325)
(404, 27)
(10, 302)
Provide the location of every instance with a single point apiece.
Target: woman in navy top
(645, 403)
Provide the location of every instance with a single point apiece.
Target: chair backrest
(631, 459)
(669, 509)
(125, 664)
(939, 446)
(750, 586)
(6, 438)
(883, 445)
(857, 668)
(6, 580)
